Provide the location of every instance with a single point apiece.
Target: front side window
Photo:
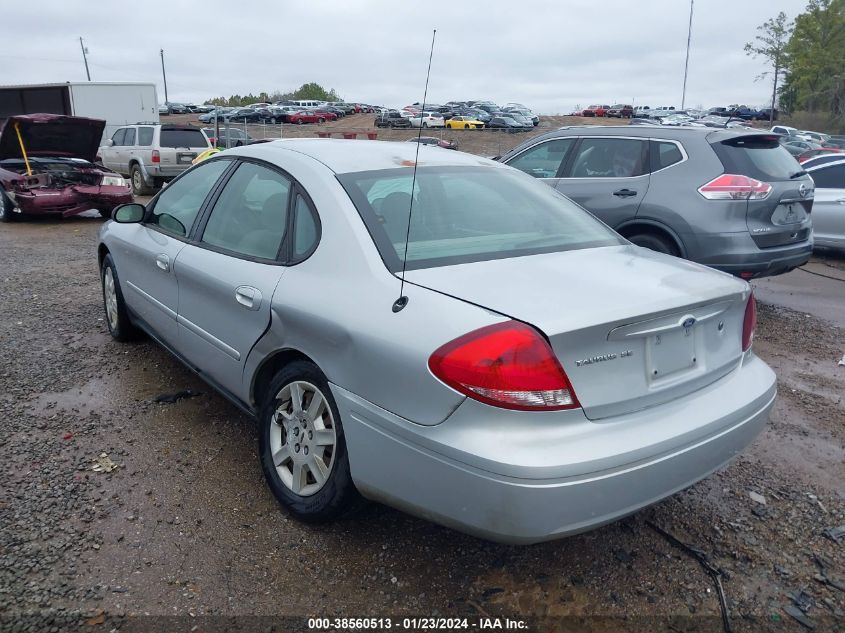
(609, 158)
(543, 160)
(250, 216)
(177, 205)
(466, 214)
(117, 137)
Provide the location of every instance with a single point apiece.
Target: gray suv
(151, 154)
(731, 199)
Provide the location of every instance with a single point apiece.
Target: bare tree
(771, 44)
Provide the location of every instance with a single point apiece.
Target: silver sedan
(534, 376)
(829, 203)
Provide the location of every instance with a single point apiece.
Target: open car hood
(51, 135)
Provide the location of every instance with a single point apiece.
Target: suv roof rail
(145, 123)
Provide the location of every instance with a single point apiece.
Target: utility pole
(84, 58)
(686, 64)
(164, 75)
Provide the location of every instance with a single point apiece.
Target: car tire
(425, 124)
(6, 213)
(117, 317)
(287, 444)
(449, 125)
(655, 242)
(299, 121)
(136, 180)
(321, 121)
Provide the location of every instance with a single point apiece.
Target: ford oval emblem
(688, 323)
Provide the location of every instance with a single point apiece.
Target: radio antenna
(402, 301)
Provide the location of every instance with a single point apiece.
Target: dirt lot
(175, 529)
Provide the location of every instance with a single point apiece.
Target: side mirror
(108, 143)
(129, 213)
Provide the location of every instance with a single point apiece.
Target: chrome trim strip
(209, 338)
(153, 300)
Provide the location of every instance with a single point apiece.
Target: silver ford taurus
(540, 376)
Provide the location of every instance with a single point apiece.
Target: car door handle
(248, 297)
(624, 193)
(163, 262)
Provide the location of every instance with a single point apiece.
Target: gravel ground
(114, 507)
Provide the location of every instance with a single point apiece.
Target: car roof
(713, 133)
(344, 156)
(812, 168)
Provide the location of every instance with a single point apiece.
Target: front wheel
(302, 447)
(6, 213)
(117, 318)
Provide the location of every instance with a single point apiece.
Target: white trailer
(118, 103)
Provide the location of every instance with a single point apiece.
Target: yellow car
(464, 123)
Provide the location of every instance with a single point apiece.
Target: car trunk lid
(51, 135)
(631, 328)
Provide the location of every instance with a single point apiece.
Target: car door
(146, 252)
(608, 176)
(828, 212)
(228, 275)
(109, 153)
(545, 160)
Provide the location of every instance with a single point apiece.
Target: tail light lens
(508, 365)
(156, 156)
(749, 323)
(734, 187)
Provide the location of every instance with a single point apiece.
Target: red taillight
(156, 156)
(734, 187)
(507, 365)
(749, 323)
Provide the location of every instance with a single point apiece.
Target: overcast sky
(550, 56)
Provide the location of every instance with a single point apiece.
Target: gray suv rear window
(182, 138)
(760, 157)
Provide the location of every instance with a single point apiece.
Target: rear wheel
(302, 447)
(655, 242)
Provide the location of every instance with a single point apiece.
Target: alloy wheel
(111, 297)
(303, 439)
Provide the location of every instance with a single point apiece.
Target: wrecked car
(47, 167)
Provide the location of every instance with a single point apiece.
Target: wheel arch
(272, 365)
(102, 251)
(643, 225)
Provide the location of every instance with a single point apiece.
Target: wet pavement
(176, 519)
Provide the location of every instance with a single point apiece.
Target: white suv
(151, 154)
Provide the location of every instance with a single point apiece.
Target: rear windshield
(468, 214)
(183, 138)
(760, 157)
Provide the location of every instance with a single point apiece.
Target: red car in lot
(325, 114)
(305, 116)
(596, 110)
(47, 168)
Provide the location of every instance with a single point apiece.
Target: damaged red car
(47, 167)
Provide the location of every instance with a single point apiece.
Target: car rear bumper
(519, 477)
(736, 253)
(71, 200)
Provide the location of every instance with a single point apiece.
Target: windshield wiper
(798, 174)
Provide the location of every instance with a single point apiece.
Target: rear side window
(183, 138)
(610, 158)
(129, 139)
(250, 216)
(664, 154)
(832, 177)
(760, 157)
(543, 160)
(145, 136)
(305, 231)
